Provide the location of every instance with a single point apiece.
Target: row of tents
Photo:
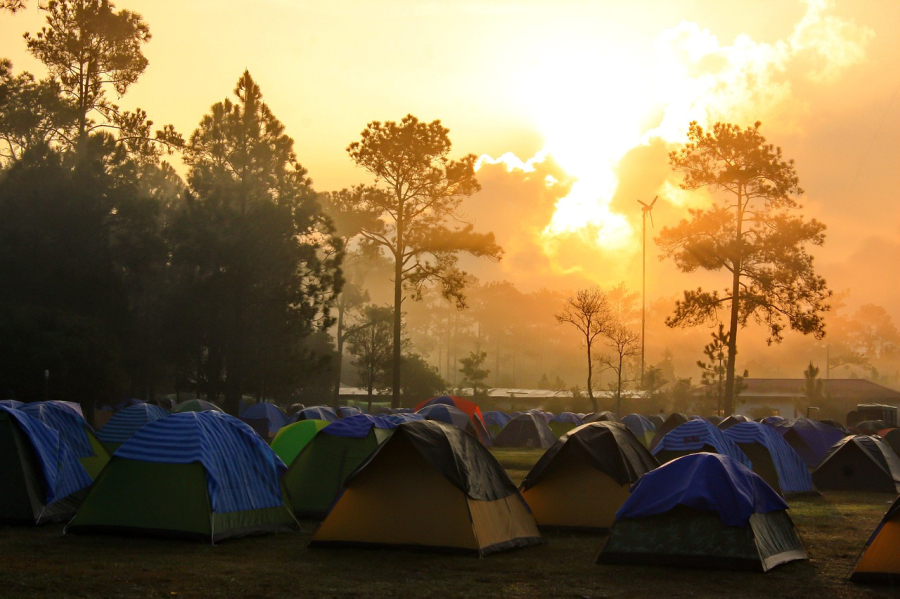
(366, 475)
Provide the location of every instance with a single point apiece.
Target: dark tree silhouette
(419, 226)
(752, 231)
(258, 261)
(589, 312)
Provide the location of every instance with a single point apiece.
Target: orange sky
(602, 87)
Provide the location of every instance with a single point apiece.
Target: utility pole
(645, 210)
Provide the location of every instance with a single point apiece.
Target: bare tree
(589, 312)
(624, 343)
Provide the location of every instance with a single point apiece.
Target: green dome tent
(196, 475)
(291, 439)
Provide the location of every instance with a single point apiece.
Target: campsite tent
(291, 439)
(696, 436)
(202, 475)
(703, 510)
(584, 477)
(470, 408)
(525, 430)
(347, 411)
(606, 416)
(731, 421)
(11, 403)
(42, 479)
(563, 422)
(196, 405)
(316, 475)
(641, 426)
(674, 419)
(125, 423)
(810, 439)
(880, 561)
(450, 414)
(495, 421)
(430, 486)
(772, 458)
(859, 463)
(73, 430)
(891, 436)
(325, 413)
(265, 418)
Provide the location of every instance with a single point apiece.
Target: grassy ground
(42, 562)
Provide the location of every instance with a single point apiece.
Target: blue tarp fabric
(357, 427)
(63, 473)
(693, 435)
(124, 424)
(401, 418)
(242, 472)
(71, 427)
(709, 482)
(793, 475)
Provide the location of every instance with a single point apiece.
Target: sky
(573, 106)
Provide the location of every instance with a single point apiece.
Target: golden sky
(590, 93)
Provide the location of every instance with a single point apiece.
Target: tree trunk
(398, 302)
(590, 384)
(340, 353)
(735, 309)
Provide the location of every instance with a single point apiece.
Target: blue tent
(203, 475)
(58, 469)
(567, 417)
(771, 455)
(124, 424)
(325, 413)
(11, 403)
(810, 439)
(708, 482)
(265, 418)
(641, 426)
(358, 426)
(242, 472)
(73, 429)
(496, 418)
(695, 436)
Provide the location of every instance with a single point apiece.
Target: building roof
(858, 389)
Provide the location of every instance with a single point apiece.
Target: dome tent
(641, 426)
(430, 485)
(696, 436)
(526, 430)
(810, 439)
(703, 510)
(675, 419)
(859, 463)
(73, 430)
(128, 421)
(224, 480)
(316, 475)
(880, 560)
(584, 477)
(43, 481)
(265, 418)
(563, 422)
(772, 458)
(291, 439)
(451, 409)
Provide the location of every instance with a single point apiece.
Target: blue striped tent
(695, 436)
(42, 478)
(641, 426)
(195, 474)
(772, 457)
(73, 430)
(126, 423)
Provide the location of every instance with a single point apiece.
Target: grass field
(42, 562)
